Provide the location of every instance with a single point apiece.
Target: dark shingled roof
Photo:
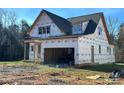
(95, 17)
(90, 27)
(92, 19)
(63, 24)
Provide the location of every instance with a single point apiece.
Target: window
(110, 52)
(48, 29)
(99, 49)
(44, 30)
(100, 30)
(40, 30)
(77, 28)
(32, 48)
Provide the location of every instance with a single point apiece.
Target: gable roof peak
(63, 24)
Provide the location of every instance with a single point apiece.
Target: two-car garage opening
(59, 56)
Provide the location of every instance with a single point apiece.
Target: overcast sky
(30, 14)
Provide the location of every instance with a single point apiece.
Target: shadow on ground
(104, 67)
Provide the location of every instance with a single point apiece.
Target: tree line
(12, 34)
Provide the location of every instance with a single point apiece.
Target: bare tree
(12, 18)
(8, 18)
(24, 26)
(113, 26)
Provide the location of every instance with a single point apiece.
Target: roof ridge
(55, 15)
(85, 15)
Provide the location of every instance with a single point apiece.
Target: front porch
(32, 50)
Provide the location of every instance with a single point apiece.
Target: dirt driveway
(33, 74)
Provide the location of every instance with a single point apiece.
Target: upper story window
(48, 29)
(44, 30)
(99, 30)
(77, 28)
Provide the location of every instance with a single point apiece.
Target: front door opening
(92, 54)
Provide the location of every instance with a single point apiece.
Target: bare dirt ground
(33, 74)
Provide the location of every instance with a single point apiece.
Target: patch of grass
(104, 67)
(16, 63)
(11, 62)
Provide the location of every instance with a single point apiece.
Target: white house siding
(84, 48)
(45, 20)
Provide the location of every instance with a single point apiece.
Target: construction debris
(117, 74)
(93, 77)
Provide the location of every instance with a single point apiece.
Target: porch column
(24, 51)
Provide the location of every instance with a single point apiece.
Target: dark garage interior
(59, 56)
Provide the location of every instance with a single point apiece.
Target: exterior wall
(57, 43)
(46, 21)
(84, 48)
(82, 45)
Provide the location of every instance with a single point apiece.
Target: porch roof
(39, 39)
(32, 41)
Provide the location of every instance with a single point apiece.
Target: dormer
(79, 28)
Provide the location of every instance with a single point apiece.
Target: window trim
(43, 30)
